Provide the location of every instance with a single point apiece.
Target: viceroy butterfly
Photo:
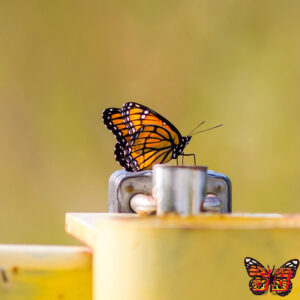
(144, 137)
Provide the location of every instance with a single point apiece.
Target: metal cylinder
(146, 205)
(143, 204)
(179, 189)
(212, 204)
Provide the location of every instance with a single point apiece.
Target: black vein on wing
(156, 152)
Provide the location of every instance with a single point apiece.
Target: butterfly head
(184, 141)
(178, 150)
(187, 139)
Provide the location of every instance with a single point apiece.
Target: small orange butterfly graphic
(278, 280)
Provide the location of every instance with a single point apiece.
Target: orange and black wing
(144, 137)
(282, 284)
(154, 137)
(151, 145)
(260, 276)
(113, 120)
(137, 116)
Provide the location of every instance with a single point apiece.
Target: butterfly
(144, 137)
(279, 280)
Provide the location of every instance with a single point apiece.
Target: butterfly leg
(177, 161)
(192, 154)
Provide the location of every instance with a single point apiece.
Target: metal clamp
(126, 193)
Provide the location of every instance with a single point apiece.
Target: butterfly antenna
(208, 129)
(196, 128)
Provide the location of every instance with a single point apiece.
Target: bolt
(129, 188)
(218, 187)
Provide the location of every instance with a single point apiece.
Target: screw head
(129, 188)
(219, 187)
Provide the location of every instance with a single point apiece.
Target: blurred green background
(62, 62)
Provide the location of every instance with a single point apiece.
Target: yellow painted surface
(45, 272)
(188, 258)
(83, 226)
(164, 262)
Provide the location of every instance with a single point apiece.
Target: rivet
(218, 187)
(129, 188)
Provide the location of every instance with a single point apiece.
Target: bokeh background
(62, 62)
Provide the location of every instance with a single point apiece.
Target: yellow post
(172, 257)
(45, 272)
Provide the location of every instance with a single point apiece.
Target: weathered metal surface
(124, 185)
(179, 189)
